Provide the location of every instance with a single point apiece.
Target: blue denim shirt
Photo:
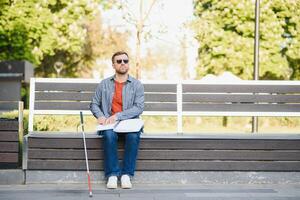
(132, 99)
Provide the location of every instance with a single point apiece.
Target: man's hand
(111, 119)
(101, 120)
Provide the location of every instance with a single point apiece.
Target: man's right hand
(101, 120)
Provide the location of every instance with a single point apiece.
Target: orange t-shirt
(117, 104)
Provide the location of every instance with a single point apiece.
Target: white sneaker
(125, 182)
(112, 182)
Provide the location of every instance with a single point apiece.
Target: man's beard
(122, 72)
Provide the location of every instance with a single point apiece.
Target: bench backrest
(182, 98)
(69, 96)
(244, 98)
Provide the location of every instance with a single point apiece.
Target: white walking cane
(86, 156)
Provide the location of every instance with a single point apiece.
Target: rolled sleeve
(95, 104)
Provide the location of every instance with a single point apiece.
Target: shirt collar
(112, 78)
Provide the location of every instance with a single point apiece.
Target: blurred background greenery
(225, 32)
(72, 32)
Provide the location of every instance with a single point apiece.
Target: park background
(166, 40)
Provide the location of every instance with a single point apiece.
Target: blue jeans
(111, 160)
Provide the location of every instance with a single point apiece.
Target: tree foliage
(100, 43)
(225, 32)
(44, 32)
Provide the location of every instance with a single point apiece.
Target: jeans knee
(110, 136)
(133, 137)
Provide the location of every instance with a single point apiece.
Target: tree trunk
(138, 56)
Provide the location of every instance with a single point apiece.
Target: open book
(124, 126)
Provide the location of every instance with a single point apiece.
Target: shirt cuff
(97, 115)
(118, 116)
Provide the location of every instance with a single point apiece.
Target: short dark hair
(117, 54)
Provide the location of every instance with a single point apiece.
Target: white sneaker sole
(111, 187)
(126, 187)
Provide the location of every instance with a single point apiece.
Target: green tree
(225, 31)
(100, 43)
(44, 32)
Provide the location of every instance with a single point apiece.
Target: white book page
(105, 127)
(129, 125)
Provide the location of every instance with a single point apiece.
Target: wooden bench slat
(9, 125)
(160, 97)
(61, 143)
(221, 144)
(70, 154)
(173, 144)
(160, 106)
(218, 155)
(63, 164)
(9, 158)
(44, 86)
(9, 136)
(160, 88)
(241, 98)
(85, 106)
(64, 96)
(240, 88)
(85, 96)
(71, 105)
(219, 165)
(51, 86)
(170, 165)
(241, 107)
(9, 147)
(65, 154)
(8, 105)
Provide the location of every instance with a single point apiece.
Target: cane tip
(91, 194)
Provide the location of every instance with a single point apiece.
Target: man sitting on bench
(116, 98)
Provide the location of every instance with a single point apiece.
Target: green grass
(165, 124)
(241, 125)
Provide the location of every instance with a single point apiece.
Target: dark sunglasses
(120, 61)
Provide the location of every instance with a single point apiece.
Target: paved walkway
(151, 192)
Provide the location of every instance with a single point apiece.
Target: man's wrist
(100, 116)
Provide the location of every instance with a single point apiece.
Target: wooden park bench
(171, 152)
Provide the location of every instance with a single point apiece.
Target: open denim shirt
(132, 99)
